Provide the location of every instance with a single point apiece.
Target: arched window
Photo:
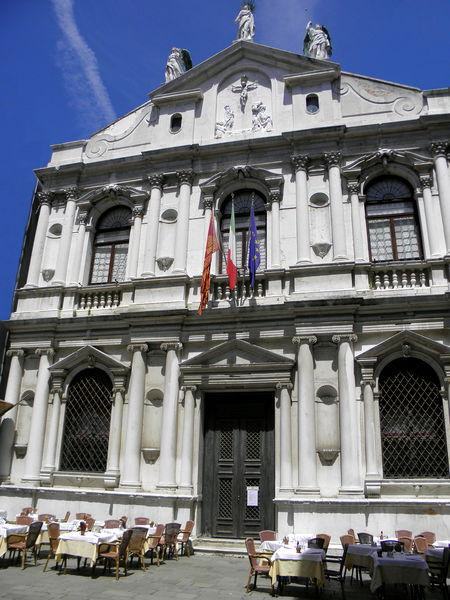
(176, 121)
(242, 204)
(392, 222)
(87, 421)
(412, 421)
(111, 246)
(312, 104)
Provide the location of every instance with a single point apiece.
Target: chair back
(387, 545)
(33, 533)
(316, 543)
(346, 540)
(90, 522)
(186, 532)
(82, 516)
(22, 520)
(123, 521)
(155, 539)
(137, 539)
(46, 518)
(342, 566)
(66, 517)
(125, 542)
(407, 543)
(326, 540)
(352, 532)
(112, 524)
(365, 538)
(429, 536)
(171, 533)
(267, 536)
(438, 568)
(251, 551)
(403, 533)
(141, 521)
(28, 510)
(53, 531)
(420, 544)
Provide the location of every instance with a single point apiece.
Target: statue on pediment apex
(246, 21)
(317, 42)
(179, 62)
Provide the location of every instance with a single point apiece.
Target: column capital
(298, 340)
(72, 193)
(426, 181)
(208, 203)
(332, 159)
(15, 352)
(345, 337)
(284, 385)
(191, 388)
(300, 162)
(365, 382)
(44, 352)
(439, 148)
(156, 180)
(353, 188)
(45, 198)
(82, 217)
(275, 196)
(137, 348)
(117, 389)
(138, 212)
(166, 346)
(185, 176)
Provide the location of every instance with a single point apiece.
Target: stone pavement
(202, 577)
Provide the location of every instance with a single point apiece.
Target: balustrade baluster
(395, 280)
(386, 281)
(404, 279)
(413, 279)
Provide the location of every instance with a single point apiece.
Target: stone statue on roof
(179, 62)
(246, 22)
(317, 43)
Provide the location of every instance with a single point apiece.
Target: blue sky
(70, 66)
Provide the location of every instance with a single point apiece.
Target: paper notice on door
(252, 496)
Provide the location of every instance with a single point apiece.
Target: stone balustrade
(400, 277)
(99, 299)
(243, 291)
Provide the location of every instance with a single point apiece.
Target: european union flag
(254, 254)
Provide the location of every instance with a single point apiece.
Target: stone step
(221, 546)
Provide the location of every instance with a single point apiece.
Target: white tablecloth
(441, 543)
(402, 568)
(9, 529)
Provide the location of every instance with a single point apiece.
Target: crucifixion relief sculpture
(243, 89)
(227, 124)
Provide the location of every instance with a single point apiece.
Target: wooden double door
(239, 473)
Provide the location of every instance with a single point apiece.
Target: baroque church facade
(318, 399)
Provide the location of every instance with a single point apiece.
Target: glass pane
(100, 267)
(242, 250)
(407, 238)
(380, 240)
(120, 262)
(388, 188)
(390, 208)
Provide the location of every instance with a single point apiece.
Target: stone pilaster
(275, 199)
(333, 162)
(185, 179)
(76, 272)
(49, 464)
(284, 390)
(66, 237)
(45, 200)
(187, 444)
(439, 152)
(112, 474)
(135, 236)
(358, 246)
(300, 164)
(156, 183)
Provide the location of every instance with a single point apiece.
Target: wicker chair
(25, 544)
(256, 568)
(403, 533)
(112, 524)
(347, 539)
(90, 522)
(115, 553)
(153, 544)
(65, 519)
(337, 575)
(46, 518)
(184, 538)
(169, 541)
(82, 516)
(429, 536)
(53, 538)
(23, 520)
(141, 521)
(317, 543)
(352, 532)
(365, 538)
(28, 510)
(407, 542)
(267, 536)
(420, 545)
(438, 571)
(136, 546)
(326, 540)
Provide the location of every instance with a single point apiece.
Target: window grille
(242, 205)
(392, 223)
(110, 253)
(412, 421)
(87, 423)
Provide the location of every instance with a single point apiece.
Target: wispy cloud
(79, 66)
(282, 23)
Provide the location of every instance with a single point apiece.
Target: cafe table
(409, 569)
(360, 555)
(286, 562)
(270, 546)
(83, 546)
(8, 529)
(63, 528)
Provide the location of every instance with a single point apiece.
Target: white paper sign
(252, 496)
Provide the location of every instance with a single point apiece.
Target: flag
(212, 245)
(254, 254)
(232, 270)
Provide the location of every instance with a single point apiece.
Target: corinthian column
(439, 152)
(425, 184)
(333, 161)
(7, 426)
(49, 463)
(131, 472)
(350, 476)
(300, 164)
(185, 179)
(38, 419)
(153, 209)
(34, 269)
(112, 474)
(275, 199)
(76, 274)
(66, 237)
(307, 463)
(284, 390)
(187, 444)
(138, 214)
(167, 457)
(353, 190)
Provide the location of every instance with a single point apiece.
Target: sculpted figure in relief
(261, 120)
(246, 22)
(317, 43)
(243, 89)
(227, 124)
(179, 62)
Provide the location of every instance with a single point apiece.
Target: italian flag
(232, 270)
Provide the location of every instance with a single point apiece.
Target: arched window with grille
(392, 222)
(87, 423)
(242, 204)
(109, 259)
(412, 421)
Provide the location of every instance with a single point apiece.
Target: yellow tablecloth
(79, 549)
(298, 568)
(3, 546)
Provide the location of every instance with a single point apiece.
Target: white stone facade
(319, 328)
